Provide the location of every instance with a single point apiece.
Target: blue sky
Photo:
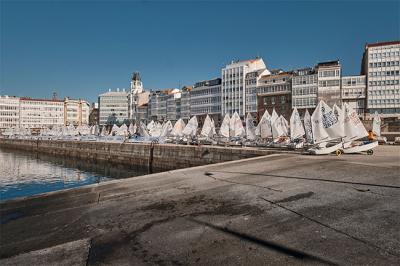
(82, 48)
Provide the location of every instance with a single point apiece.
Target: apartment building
(305, 89)
(76, 112)
(275, 92)
(381, 65)
(205, 98)
(113, 107)
(9, 111)
(354, 93)
(233, 85)
(39, 113)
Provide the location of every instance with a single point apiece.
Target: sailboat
(376, 124)
(297, 131)
(224, 129)
(177, 130)
(236, 128)
(166, 129)
(132, 129)
(280, 131)
(325, 129)
(250, 128)
(191, 128)
(208, 128)
(308, 127)
(263, 129)
(355, 130)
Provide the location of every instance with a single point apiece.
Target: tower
(136, 89)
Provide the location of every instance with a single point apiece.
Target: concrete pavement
(282, 209)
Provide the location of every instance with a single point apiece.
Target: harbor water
(24, 173)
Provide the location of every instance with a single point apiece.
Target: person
(371, 135)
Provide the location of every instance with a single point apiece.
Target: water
(23, 173)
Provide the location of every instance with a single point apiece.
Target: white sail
(263, 128)
(296, 126)
(325, 125)
(214, 131)
(96, 130)
(308, 126)
(250, 128)
(142, 130)
(224, 130)
(280, 128)
(178, 128)
(132, 129)
(191, 127)
(274, 116)
(166, 129)
(208, 128)
(339, 113)
(353, 127)
(236, 126)
(150, 125)
(376, 124)
(122, 130)
(104, 131)
(155, 131)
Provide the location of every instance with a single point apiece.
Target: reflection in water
(23, 173)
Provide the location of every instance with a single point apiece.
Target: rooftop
(381, 44)
(39, 100)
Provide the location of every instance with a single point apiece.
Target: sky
(80, 49)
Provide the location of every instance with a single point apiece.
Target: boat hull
(361, 148)
(325, 150)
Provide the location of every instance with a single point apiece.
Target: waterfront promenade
(272, 210)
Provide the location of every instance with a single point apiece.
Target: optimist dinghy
(354, 130)
(326, 130)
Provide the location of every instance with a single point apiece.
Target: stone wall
(165, 156)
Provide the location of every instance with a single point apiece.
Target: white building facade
(233, 86)
(39, 113)
(381, 65)
(76, 112)
(9, 112)
(329, 78)
(185, 102)
(113, 107)
(305, 89)
(354, 92)
(205, 98)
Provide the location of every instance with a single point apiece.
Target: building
(158, 104)
(305, 89)
(94, 114)
(381, 66)
(275, 92)
(9, 112)
(113, 107)
(233, 86)
(251, 83)
(205, 98)
(76, 112)
(329, 77)
(138, 99)
(173, 104)
(39, 113)
(185, 102)
(354, 93)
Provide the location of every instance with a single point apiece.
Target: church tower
(136, 89)
(136, 83)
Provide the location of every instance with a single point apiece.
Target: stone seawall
(157, 156)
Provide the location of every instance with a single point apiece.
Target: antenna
(54, 95)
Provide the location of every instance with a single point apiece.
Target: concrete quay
(156, 157)
(280, 209)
